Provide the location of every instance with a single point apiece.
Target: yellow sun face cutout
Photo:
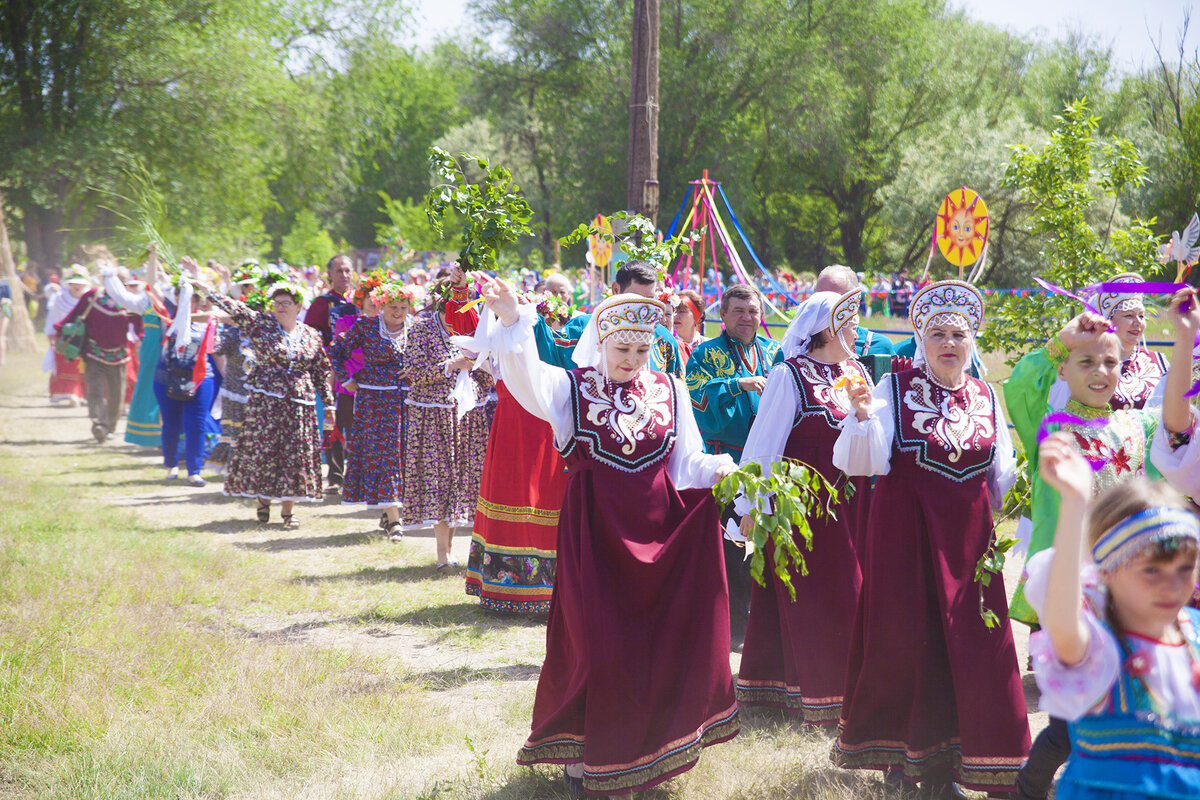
(962, 224)
(601, 248)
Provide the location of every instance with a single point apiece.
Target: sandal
(394, 531)
(289, 520)
(263, 514)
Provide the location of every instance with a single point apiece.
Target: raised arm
(1064, 469)
(1176, 412)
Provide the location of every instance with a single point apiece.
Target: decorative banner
(962, 227)
(601, 248)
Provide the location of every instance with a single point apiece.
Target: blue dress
(144, 425)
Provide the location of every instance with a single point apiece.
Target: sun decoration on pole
(962, 227)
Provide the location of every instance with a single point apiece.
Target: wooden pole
(21, 330)
(642, 193)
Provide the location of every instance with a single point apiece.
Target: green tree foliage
(307, 242)
(1072, 185)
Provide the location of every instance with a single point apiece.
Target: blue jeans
(188, 418)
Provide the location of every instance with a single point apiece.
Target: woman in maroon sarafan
(636, 680)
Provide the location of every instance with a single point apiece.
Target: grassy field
(156, 643)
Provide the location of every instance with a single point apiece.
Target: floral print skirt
(375, 450)
(443, 460)
(278, 454)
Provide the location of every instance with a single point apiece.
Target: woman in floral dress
(443, 453)
(278, 456)
(375, 451)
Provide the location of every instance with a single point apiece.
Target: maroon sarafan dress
(930, 689)
(794, 655)
(636, 679)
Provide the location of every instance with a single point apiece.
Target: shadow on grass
(467, 613)
(543, 782)
(456, 677)
(307, 542)
(369, 575)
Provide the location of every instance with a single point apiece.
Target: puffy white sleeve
(1181, 466)
(1003, 472)
(772, 424)
(542, 389)
(688, 465)
(865, 448)
(125, 298)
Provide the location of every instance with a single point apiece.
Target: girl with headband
(1122, 665)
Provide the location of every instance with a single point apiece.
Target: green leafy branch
(795, 494)
(495, 214)
(147, 210)
(1016, 504)
(639, 241)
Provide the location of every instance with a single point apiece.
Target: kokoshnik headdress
(1109, 303)
(941, 303)
(820, 312)
(628, 318)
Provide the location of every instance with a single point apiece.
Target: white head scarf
(623, 317)
(820, 312)
(181, 325)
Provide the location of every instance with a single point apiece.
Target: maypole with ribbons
(705, 219)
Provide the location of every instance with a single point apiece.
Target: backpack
(179, 382)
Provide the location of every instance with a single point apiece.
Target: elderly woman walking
(444, 451)
(278, 454)
(375, 450)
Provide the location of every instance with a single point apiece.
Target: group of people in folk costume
(605, 434)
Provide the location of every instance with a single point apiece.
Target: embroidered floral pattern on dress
(628, 426)
(1140, 374)
(814, 385)
(953, 431)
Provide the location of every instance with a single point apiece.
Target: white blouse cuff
(494, 338)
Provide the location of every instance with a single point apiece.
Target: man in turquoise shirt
(726, 374)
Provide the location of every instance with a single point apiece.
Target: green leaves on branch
(1073, 187)
(989, 564)
(495, 215)
(795, 494)
(640, 241)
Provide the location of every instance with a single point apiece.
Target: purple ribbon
(1148, 287)
(1063, 418)
(1047, 285)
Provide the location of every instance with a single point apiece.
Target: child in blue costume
(1118, 655)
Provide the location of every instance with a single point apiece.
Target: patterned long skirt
(443, 461)
(513, 545)
(233, 414)
(375, 450)
(278, 453)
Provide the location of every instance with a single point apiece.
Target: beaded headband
(1132, 535)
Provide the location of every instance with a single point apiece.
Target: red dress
(929, 688)
(1140, 373)
(636, 679)
(512, 561)
(794, 655)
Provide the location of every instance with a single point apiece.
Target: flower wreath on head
(392, 293)
(552, 308)
(670, 298)
(247, 272)
(372, 280)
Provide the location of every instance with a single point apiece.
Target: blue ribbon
(737, 226)
(674, 222)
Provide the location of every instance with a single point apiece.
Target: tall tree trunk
(21, 330)
(642, 194)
